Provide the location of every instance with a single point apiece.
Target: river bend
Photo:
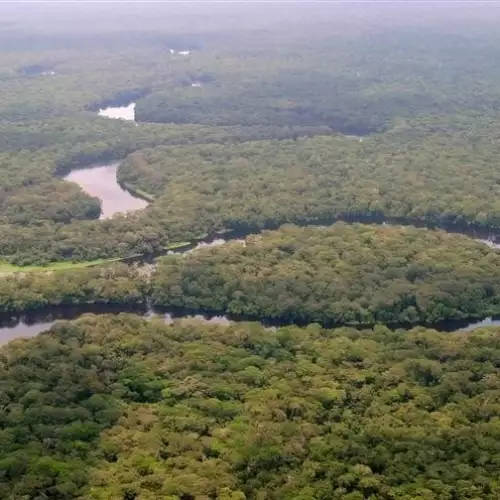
(100, 181)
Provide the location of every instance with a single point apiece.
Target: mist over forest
(249, 250)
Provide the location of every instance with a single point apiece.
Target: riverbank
(30, 324)
(100, 181)
(228, 235)
(92, 180)
(383, 271)
(138, 193)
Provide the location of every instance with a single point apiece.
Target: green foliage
(253, 185)
(112, 284)
(336, 275)
(52, 201)
(110, 407)
(266, 183)
(237, 152)
(117, 408)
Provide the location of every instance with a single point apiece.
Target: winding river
(100, 181)
(31, 324)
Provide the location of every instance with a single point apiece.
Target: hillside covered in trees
(116, 408)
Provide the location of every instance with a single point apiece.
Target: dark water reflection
(100, 181)
(31, 324)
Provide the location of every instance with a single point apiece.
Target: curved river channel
(31, 324)
(100, 181)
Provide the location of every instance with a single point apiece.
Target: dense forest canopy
(409, 174)
(261, 183)
(109, 408)
(425, 100)
(116, 284)
(343, 274)
(250, 116)
(337, 275)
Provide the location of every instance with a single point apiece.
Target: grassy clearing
(6, 267)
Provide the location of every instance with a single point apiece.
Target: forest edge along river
(101, 181)
(31, 324)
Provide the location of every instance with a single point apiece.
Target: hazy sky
(206, 15)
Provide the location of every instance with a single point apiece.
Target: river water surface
(19, 328)
(119, 112)
(31, 324)
(100, 181)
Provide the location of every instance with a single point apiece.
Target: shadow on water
(31, 324)
(487, 235)
(443, 326)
